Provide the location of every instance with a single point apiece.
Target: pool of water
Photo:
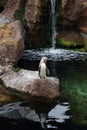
(69, 111)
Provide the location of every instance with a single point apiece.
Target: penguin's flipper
(47, 72)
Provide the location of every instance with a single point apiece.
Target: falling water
(53, 17)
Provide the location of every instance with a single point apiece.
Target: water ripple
(54, 54)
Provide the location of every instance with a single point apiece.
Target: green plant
(16, 69)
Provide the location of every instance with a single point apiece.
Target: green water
(73, 80)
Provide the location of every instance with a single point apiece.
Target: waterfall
(53, 17)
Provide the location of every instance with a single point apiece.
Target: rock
(74, 13)
(72, 9)
(83, 29)
(84, 36)
(35, 13)
(63, 3)
(70, 38)
(82, 22)
(11, 34)
(9, 11)
(29, 81)
(1, 72)
(11, 42)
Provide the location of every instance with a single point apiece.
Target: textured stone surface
(73, 9)
(9, 11)
(29, 81)
(83, 21)
(33, 12)
(71, 38)
(11, 42)
(37, 18)
(11, 33)
(74, 14)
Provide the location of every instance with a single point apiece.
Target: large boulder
(11, 42)
(29, 81)
(11, 33)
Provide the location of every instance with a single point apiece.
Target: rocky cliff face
(75, 11)
(11, 34)
(33, 15)
(37, 18)
(72, 9)
(74, 14)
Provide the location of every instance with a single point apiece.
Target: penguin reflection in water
(43, 70)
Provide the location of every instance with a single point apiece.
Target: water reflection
(41, 113)
(71, 68)
(73, 78)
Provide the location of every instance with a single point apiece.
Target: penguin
(43, 70)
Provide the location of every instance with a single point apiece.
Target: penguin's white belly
(43, 70)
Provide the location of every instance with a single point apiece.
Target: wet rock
(29, 81)
(1, 72)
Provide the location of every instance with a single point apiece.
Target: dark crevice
(20, 15)
(1, 8)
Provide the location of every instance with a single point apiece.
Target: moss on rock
(84, 37)
(70, 39)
